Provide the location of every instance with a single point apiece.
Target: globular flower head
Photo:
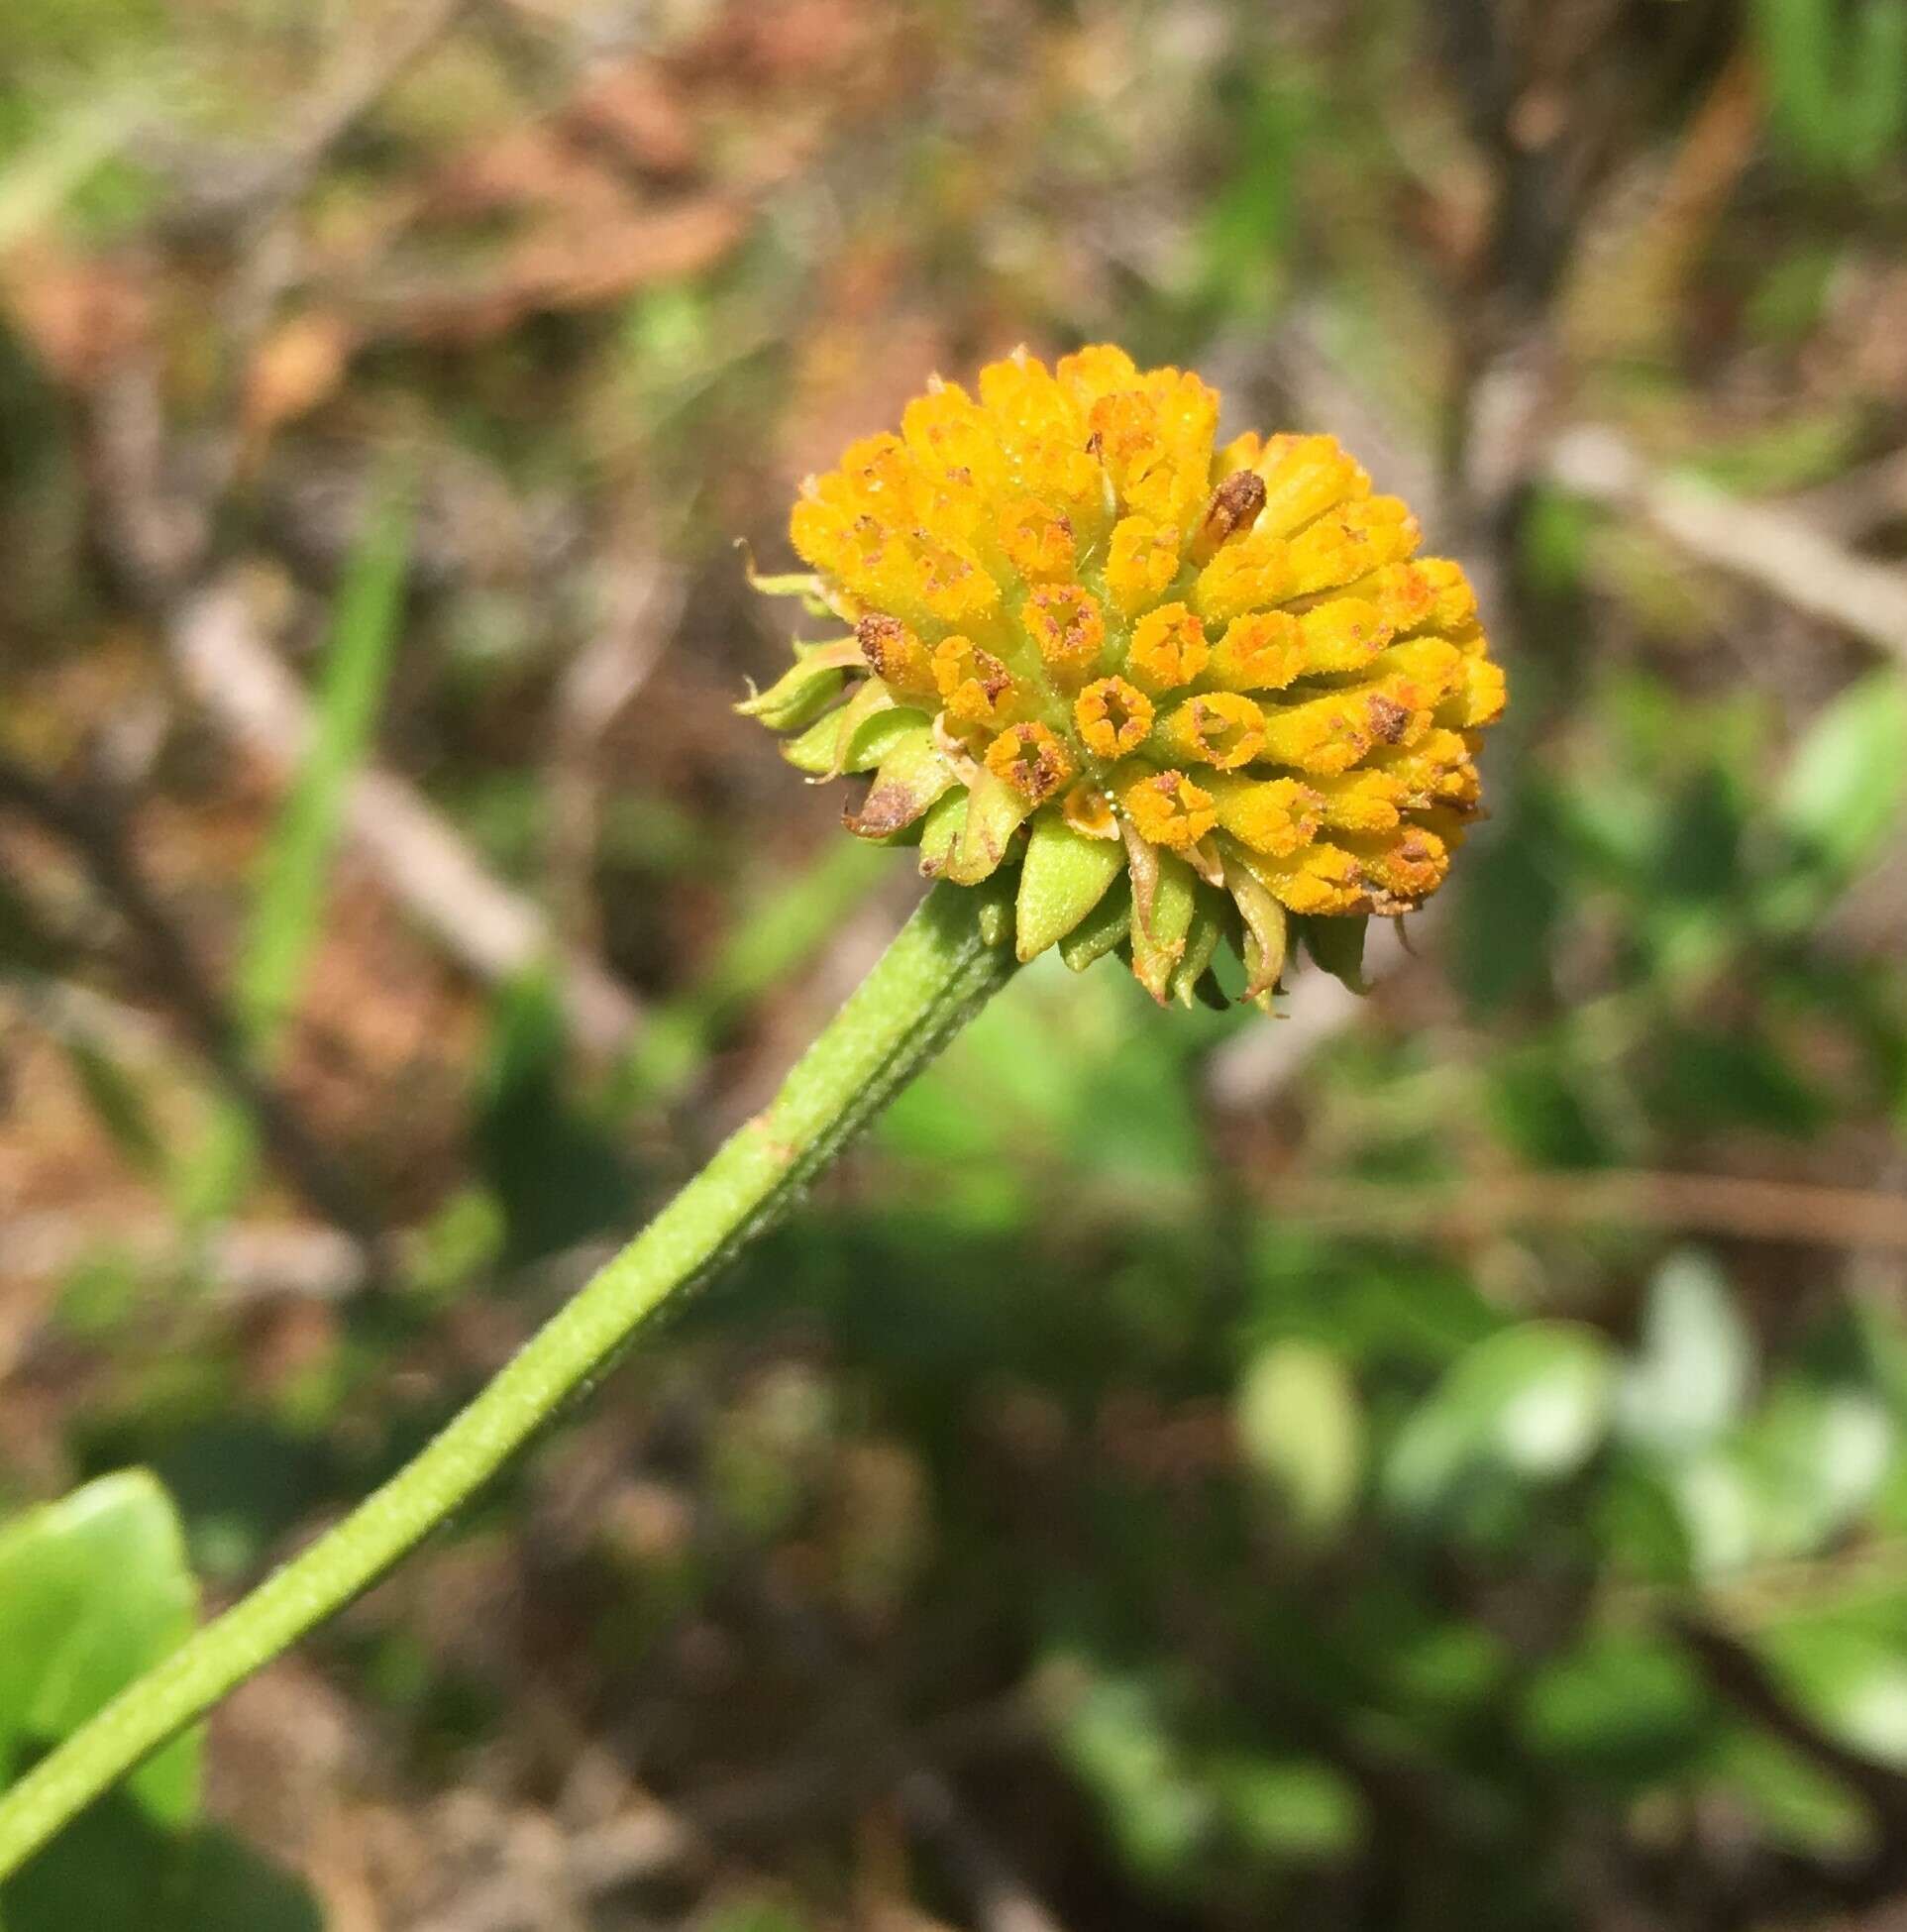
(1193, 693)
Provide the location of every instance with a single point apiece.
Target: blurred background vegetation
(1431, 1462)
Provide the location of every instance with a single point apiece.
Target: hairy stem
(938, 971)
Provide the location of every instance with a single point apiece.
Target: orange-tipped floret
(1081, 631)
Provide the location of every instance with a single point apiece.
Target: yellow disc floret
(976, 687)
(1168, 650)
(1080, 630)
(1031, 760)
(1113, 717)
(1223, 729)
(1067, 630)
(1144, 561)
(1167, 809)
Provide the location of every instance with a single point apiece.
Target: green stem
(938, 971)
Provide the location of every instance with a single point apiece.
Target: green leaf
(1691, 1379)
(1815, 1459)
(1700, 1080)
(117, 1099)
(776, 925)
(556, 1171)
(755, 1915)
(94, 1589)
(817, 751)
(1848, 1672)
(113, 1871)
(1286, 1808)
(1714, 1499)
(285, 919)
(1302, 1429)
(1792, 1803)
(1506, 910)
(1847, 783)
(1118, 1737)
(1531, 1094)
(1064, 876)
(1836, 80)
(1624, 1706)
(1800, 1473)
(1530, 1404)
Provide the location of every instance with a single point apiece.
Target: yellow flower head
(1192, 693)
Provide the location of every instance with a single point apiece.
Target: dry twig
(1770, 548)
(1739, 1207)
(239, 1262)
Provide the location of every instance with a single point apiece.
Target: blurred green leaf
(1537, 1106)
(1115, 1737)
(1792, 1804)
(1301, 1431)
(456, 1246)
(1837, 77)
(117, 1099)
(1794, 1476)
(1788, 302)
(557, 1173)
(1444, 1671)
(1715, 1497)
(1698, 1080)
(1247, 224)
(1622, 1706)
(1530, 1404)
(1849, 1671)
(774, 930)
(74, 145)
(1640, 1526)
(1507, 910)
(286, 915)
(1691, 1377)
(1285, 1808)
(1084, 1071)
(754, 1915)
(102, 1292)
(1809, 448)
(1847, 784)
(94, 1590)
(1816, 1457)
(112, 1870)
(1371, 1307)
(1554, 532)
(1699, 857)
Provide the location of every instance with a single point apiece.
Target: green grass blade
(296, 865)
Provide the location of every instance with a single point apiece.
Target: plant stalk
(937, 973)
